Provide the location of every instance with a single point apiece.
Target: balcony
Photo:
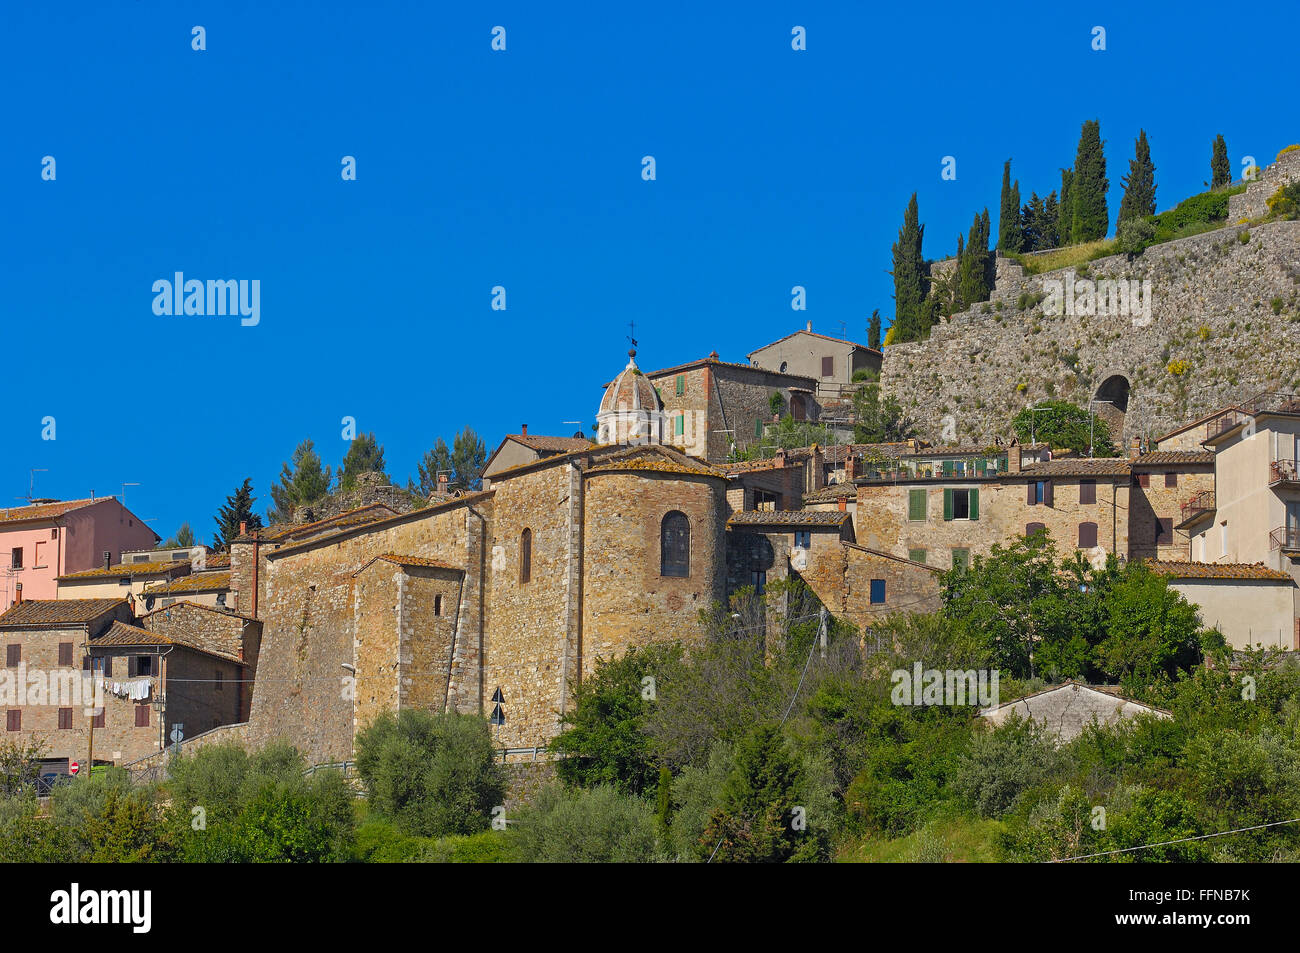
(1202, 502)
(1283, 473)
(1285, 538)
(937, 474)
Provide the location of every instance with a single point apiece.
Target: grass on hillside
(1070, 256)
(956, 839)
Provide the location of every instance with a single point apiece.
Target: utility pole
(90, 755)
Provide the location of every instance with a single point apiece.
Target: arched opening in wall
(675, 545)
(1110, 403)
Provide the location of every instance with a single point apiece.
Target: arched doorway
(1110, 403)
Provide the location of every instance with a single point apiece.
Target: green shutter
(947, 467)
(960, 558)
(758, 427)
(681, 384)
(916, 555)
(947, 504)
(974, 503)
(681, 424)
(916, 505)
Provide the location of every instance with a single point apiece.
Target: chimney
(850, 468)
(809, 325)
(1135, 448)
(1013, 457)
(844, 504)
(523, 430)
(779, 460)
(18, 593)
(243, 527)
(108, 559)
(442, 484)
(818, 468)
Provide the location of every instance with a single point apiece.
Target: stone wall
(1213, 309)
(1253, 203)
(1158, 500)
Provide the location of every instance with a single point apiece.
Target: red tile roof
(1167, 457)
(46, 511)
(787, 518)
(57, 611)
(127, 569)
(199, 582)
(120, 634)
(1188, 570)
(399, 560)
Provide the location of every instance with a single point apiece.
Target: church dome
(630, 391)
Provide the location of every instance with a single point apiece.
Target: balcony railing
(1285, 538)
(1201, 502)
(937, 474)
(1267, 402)
(1282, 471)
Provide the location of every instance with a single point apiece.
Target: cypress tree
(1089, 214)
(1140, 184)
(975, 264)
(1066, 211)
(1050, 230)
(873, 330)
(1220, 167)
(1009, 232)
(238, 509)
(909, 276)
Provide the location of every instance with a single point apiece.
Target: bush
(1285, 202)
(1004, 763)
(597, 825)
(432, 775)
(1198, 213)
(1134, 235)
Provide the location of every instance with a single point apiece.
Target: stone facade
(1214, 297)
(1253, 203)
(215, 631)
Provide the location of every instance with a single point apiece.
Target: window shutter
(916, 555)
(681, 424)
(916, 505)
(1032, 498)
(828, 367)
(142, 714)
(947, 467)
(1047, 492)
(947, 504)
(1087, 535)
(975, 503)
(758, 427)
(1088, 491)
(681, 384)
(65, 653)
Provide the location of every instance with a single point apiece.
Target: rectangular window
(916, 506)
(143, 665)
(681, 384)
(1087, 491)
(877, 592)
(758, 579)
(1171, 480)
(758, 427)
(803, 539)
(17, 561)
(961, 558)
(142, 714)
(1144, 479)
(13, 655)
(65, 719)
(828, 366)
(680, 425)
(99, 720)
(916, 555)
(1032, 528)
(65, 653)
(14, 719)
(961, 504)
(1087, 535)
(1164, 529)
(139, 559)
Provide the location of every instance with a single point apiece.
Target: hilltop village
(500, 599)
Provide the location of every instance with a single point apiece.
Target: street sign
(73, 768)
(498, 716)
(178, 732)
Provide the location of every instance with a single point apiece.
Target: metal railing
(1284, 537)
(1201, 502)
(1282, 471)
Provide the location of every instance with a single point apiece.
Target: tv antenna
(31, 486)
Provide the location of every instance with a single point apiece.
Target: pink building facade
(48, 539)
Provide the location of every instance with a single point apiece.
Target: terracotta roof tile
(551, 444)
(1167, 457)
(121, 634)
(1077, 466)
(198, 582)
(787, 518)
(1188, 570)
(57, 611)
(127, 569)
(45, 511)
(400, 560)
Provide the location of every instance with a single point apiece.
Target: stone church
(498, 601)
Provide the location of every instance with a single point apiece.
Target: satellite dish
(148, 603)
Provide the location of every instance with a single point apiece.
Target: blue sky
(522, 169)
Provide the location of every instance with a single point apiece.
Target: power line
(1181, 840)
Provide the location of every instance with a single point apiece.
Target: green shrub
(432, 775)
(595, 825)
(1134, 235)
(1195, 214)
(1004, 763)
(1285, 202)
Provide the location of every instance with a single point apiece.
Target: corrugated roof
(57, 611)
(1189, 570)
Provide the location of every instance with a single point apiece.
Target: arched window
(525, 556)
(675, 545)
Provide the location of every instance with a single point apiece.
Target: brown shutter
(142, 714)
(65, 653)
(1088, 491)
(1171, 479)
(1047, 492)
(828, 366)
(1031, 501)
(1087, 535)
(13, 655)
